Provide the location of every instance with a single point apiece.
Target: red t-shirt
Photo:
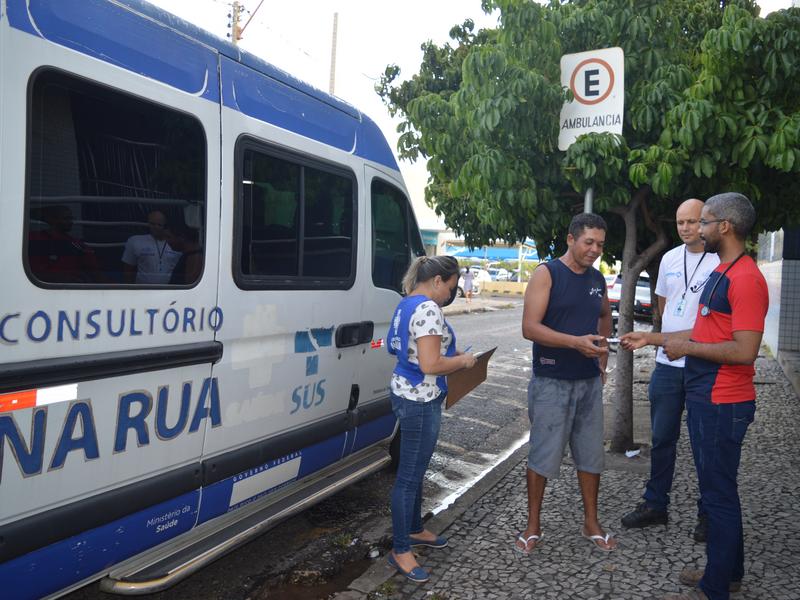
(739, 303)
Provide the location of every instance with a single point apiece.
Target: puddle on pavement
(291, 591)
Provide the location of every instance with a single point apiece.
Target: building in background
(779, 261)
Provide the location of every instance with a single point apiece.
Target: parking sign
(597, 81)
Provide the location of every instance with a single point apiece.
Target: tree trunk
(621, 431)
(652, 270)
(621, 434)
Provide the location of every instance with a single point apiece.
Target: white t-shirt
(426, 320)
(154, 259)
(680, 310)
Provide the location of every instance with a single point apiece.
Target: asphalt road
(476, 434)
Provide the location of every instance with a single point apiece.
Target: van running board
(175, 560)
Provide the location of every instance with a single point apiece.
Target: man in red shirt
(57, 257)
(720, 397)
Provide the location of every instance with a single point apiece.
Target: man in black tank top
(567, 317)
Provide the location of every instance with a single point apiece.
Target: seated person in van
(55, 256)
(150, 258)
(190, 266)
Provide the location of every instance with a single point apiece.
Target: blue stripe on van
(272, 101)
(59, 565)
(63, 563)
(167, 49)
(374, 431)
(120, 37)
(217, 497)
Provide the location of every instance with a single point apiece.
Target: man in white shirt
(682, 274)
(149, 258)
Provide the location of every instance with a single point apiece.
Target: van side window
(115, 188)
(295, 223)
(394, 236)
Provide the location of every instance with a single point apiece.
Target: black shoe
(700, 533)
(644, 516)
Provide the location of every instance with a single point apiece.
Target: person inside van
(55, 256)
(425, 347)
(151, 258)
(190, 265)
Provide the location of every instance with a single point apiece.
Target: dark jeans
(419, 430)
(666, 395)
(717, 432)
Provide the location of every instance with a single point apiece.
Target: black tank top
(574, 308)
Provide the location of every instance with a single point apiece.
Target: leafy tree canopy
(711, 104)
(711, 95)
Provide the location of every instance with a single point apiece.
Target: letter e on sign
(597, 81)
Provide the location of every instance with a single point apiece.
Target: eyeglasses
(159, 225)
(703, 222)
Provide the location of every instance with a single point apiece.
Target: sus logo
(309, 342)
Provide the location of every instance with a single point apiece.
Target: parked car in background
(498, 273)
(515, 276)
(643, 305)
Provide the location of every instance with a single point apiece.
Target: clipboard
(460, 383)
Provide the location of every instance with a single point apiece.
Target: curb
(380, 571)
(484, 306)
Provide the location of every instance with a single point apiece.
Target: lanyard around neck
(688, 280)
(160, 250)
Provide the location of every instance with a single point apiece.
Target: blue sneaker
(417, 574)
(439, 542)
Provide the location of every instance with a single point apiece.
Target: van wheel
(459, 293)
(394, 451)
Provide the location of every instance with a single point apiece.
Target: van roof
(302, 108)
(234, 52)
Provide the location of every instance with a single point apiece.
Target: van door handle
(353, 334)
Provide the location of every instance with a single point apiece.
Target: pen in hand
(467, 349)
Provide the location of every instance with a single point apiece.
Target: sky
(296, 36)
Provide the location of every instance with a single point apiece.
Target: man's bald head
(692, 204)
(688, 220)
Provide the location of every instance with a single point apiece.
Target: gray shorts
(561, 411)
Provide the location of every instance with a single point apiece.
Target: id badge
(680, 308)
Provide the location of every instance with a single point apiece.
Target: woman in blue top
(425, 347)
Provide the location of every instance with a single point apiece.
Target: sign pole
(588, 200)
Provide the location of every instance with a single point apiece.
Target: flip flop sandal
(596, 539)
(527, 540)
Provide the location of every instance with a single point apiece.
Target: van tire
(459, 292)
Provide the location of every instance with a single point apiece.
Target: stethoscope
(705, 311)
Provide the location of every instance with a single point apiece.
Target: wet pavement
(480, 562)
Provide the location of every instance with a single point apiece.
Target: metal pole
(587, 201)
(332, 85)
(236, 32)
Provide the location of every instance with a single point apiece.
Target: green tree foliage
(711, 105)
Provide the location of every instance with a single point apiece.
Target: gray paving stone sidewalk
(480, 562)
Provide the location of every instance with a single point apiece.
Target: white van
(202, 255)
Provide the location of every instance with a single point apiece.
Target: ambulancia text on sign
(597, 81)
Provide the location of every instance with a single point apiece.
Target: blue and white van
(201, 256)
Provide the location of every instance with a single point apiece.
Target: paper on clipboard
(462, 382)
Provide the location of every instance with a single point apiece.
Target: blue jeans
(419, 430)
(666, 395)
(717, 432)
